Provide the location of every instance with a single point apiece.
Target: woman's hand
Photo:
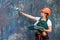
(44, 33)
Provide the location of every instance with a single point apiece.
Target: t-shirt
(49, 23)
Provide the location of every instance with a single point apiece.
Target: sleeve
(37, 18)
(49, 23)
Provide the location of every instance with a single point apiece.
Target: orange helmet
(46, 10)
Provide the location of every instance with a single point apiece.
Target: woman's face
(42, 14)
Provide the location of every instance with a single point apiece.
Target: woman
(42, 21)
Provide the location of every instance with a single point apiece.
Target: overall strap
(47, 20)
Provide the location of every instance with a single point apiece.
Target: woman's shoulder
(37, 18)
(49, 20)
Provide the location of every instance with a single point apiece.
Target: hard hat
(46, 10)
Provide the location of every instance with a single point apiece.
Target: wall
(15, 27)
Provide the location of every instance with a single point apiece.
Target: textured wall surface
(15, 27)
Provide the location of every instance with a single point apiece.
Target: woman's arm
(49, 23)
(29, 16)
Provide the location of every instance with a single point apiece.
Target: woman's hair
(46, 15)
